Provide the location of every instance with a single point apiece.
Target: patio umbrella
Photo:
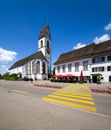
(58, 76)
(81, 74)
(69, 75)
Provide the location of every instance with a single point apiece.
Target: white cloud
(108, 27)
(79, 45)
(102, 38)
(6, 55)
(3, 68)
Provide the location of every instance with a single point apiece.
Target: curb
(47, 86)
(60, 87)
(101, 91)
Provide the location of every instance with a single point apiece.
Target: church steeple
(45, 32)
(44, 45)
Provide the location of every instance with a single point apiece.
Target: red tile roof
(37, 55)
(85, 52)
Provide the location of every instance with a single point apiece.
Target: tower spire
(45, 32)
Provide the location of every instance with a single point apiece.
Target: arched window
(47, 44)
(33, 67)
(38, 67)
(41, 43)
(43, 68)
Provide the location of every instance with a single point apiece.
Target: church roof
(85, 52)
(45, 31)
(37, 55)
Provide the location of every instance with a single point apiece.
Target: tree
(0, 76)
(53, 73)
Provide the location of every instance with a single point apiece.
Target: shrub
(8, 76)
(74, 80)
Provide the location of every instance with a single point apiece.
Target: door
(94, 79)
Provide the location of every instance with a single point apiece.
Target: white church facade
(37, 65)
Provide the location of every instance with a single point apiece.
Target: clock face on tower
(48, 51)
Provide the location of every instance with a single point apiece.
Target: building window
(98, 69)
(58, 69)
(33, 67)
(86, 78)
(85, 65)
(47, 44)
(26, 69)
(69, 67)
(109, 68)
(29, 67)
(94, 69)
(63, 68)
(41, 43)
(109, 58)
(38, 66)
(110, 78)
(98, 60)
(77, 67)
(43, 67)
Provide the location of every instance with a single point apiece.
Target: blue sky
(73, 23)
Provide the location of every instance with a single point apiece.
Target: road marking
(72, 99)
(75, 92)
(73, 96)
(89, 108)
(18, 91)
(78, 86)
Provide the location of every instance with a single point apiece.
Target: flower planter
(47, 86)
(101, 91)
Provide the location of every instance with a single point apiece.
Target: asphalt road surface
(22, 108)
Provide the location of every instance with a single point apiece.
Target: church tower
(44, 45)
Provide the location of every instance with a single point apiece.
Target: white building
(92, 60)
(37, 65)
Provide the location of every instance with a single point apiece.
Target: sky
(73, 24)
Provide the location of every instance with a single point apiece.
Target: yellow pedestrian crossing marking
(75, 92)
(78, 86)
(89, 108)
(72, 97)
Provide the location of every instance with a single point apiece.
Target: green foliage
(0, 76)
(75, 80)
(53, 73)
(64, 80)
(99, 78)
(8, 76)
(49, 76)
(81, 80)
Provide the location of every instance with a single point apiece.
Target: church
(37, 65)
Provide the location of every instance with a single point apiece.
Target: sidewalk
(102, 86)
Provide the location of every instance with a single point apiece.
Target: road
(22, 107)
